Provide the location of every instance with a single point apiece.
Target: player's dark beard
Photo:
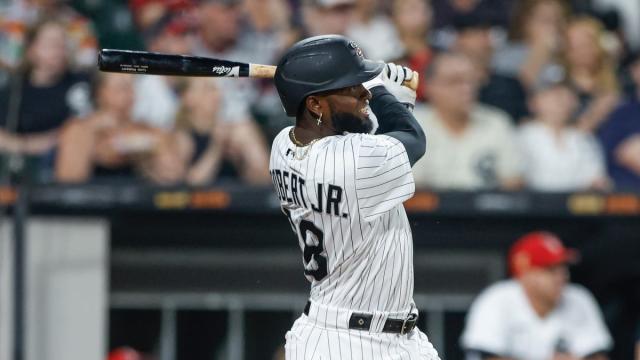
(347, 122)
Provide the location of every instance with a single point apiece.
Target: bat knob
(414, 82)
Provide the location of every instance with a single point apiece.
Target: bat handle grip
(413, 83)
(262, 71)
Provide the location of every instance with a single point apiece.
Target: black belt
(361, 321)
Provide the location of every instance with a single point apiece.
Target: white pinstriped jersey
(343, 196)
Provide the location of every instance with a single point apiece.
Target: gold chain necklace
(300, 144)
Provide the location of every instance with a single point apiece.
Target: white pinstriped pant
(325, 336)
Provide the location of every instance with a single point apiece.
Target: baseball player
(342, 190)
(537, 315)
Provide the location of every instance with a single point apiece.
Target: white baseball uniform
(502, 322)
(343, 196)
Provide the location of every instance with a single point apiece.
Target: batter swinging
(342, 189)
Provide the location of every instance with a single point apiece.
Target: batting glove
(393, 77)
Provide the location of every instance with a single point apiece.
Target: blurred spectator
(613, 38)
(412, 19)
(23, 14)
(537, 314)
(147, 13)
(374, 32)
(271, 22)
(535, 42)
(271, 18)
(172, 34)
(494, 11)
(214, 153)
(446, 13)
(112, 22)
(557, 157)
(470, 146)
(219, 26)
(206, 136)
(620, 17)
(221, 35)
(473, 38)
(620, 137)
(321, 17)
(108, 145)
(43, 93)
(156, 99)
(591, 72)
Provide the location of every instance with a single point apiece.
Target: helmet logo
(355, 47)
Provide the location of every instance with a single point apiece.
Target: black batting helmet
(321, 63)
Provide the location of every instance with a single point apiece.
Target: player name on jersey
(290, 188)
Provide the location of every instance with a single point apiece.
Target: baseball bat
(143, 62)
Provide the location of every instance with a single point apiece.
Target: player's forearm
(74, 158)
(9, 142)
(39, 143)
(597, 112)
(397, 121)
(207, 167)
(534, 63)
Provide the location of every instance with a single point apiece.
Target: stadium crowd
(540, 95)
(531, 94)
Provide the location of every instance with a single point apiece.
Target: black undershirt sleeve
(395, 120)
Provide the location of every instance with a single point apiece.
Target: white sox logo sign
(226, 71)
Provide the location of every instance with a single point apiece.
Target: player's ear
(315, 105)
